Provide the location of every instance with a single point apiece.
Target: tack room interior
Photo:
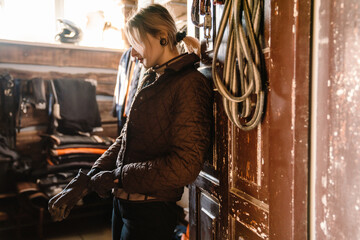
(283, 155)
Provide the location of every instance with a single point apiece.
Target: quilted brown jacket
(166, 138)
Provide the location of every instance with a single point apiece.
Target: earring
(163, 42)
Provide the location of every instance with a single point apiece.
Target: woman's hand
(104, 181)
(61, 204)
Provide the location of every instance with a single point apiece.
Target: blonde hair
(155, 19)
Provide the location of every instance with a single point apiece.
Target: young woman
(164, 142)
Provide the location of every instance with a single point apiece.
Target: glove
(61, 204)
(104, 181)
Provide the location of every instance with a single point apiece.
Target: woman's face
(149, 52)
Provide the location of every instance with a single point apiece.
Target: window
(101, 21)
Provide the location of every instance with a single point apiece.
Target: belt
(120, 193)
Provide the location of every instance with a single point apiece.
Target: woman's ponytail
(192, 45)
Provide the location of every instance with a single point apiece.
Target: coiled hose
(241, 83)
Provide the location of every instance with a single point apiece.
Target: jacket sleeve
(107, 161)
(190, 142)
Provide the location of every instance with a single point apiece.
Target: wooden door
(255, 184)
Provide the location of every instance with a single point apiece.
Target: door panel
(255, 185)
(209, 213)
(250, 213)
(243, 232)
(248, 168)
(204, 214)
(248, 193)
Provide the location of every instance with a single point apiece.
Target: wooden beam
(105, 81)
(58, 55)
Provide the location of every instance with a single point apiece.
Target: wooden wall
(26, 61)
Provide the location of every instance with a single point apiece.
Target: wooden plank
(288, 119)
(29, 144)
(22, 53)
(105, 109)
(109, 130)
(106, 81)
(32, 117)
(335, 125)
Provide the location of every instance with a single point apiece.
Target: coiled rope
(241, 84)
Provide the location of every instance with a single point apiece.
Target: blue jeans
(143, 220)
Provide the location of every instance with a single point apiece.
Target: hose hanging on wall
(241, 84)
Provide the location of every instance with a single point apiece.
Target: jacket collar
(180, 62)
(174, 65)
